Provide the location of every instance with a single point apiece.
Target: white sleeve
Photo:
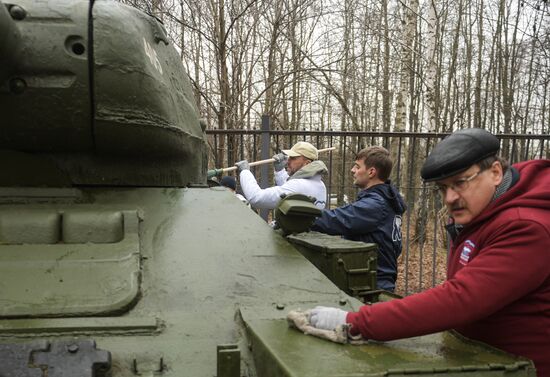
(281, 177)
(258, 198)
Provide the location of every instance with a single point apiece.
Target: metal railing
(423, 261)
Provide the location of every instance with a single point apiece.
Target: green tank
(116, 258)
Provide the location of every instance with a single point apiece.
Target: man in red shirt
(498, 280)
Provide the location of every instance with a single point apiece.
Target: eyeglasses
(460, 185)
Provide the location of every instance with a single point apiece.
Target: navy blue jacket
(375, 217)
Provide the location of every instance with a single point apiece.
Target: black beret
(457, 152)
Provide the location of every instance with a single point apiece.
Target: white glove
(326, 318)
(280, 161)
(242, 165)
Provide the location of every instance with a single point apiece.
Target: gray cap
(457, 152)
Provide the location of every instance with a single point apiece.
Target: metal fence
(423, 261)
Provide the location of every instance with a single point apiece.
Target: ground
(422, 267)
(420, 272)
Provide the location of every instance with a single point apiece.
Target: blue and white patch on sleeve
(467, 249)
(396, 231)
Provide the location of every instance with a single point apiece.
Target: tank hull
(211, 273)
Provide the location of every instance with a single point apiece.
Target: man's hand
(242, 165)
(326, 318)
(280, 161)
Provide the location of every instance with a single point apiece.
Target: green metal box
(351, 265)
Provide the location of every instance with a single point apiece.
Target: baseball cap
(302, 148)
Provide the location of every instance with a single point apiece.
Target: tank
(117, 259)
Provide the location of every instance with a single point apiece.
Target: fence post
(265, 154)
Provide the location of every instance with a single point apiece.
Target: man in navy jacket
(375, 217)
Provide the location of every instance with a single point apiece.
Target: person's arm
(514, 263)
(279, 164)
(258, 198)
(281, 177)
(360, 217)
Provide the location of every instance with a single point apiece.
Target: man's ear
(373, 172)
(496, 173)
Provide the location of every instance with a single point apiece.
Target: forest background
(363, 65)
(369, 66)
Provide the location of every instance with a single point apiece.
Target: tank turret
(94, 95)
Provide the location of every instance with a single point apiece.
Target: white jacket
(305, 181)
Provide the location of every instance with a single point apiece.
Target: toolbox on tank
(351, 265)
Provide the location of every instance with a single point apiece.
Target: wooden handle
(326, 149)
(255, 163)
(267, 161)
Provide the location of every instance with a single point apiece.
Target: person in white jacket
(302, 175)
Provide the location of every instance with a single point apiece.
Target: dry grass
(420, 270)
(422, 266)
